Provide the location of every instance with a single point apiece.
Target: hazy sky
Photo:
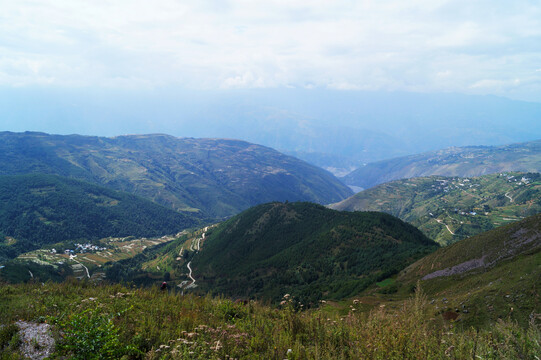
(476, 47)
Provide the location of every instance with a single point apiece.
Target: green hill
(449, 209)
(217, 177)
(37, 210)
(457, 161)
(493, 275)
(306, 250)
(480, 253)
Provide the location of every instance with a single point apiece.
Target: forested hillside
(306, 250)
(37, 210)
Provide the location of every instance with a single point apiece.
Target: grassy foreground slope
(481, 252)
(217, 177)
(456, 161)
(38, 210)
(450, 209)
(113, 322)
(306, 250)
(492, 275)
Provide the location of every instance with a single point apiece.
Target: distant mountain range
(56, 188)
(457, 161)
(38, 210)
(334, 129)
(214, 178)
(448, 209)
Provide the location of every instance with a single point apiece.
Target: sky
(485, 47)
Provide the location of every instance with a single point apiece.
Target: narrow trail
(87, 272)
(447, 226)
(31, 275)
(509, 197)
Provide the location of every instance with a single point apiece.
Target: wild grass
(136, 323)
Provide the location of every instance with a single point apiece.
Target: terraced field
(87, 264)
(448, 209)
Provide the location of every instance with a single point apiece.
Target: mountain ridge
(454, 161)
(214, 176)
(448, 209)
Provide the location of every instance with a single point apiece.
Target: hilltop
(38, 210)
(305, 250)
(455, 161)
(448, 209)
(215, 177)
(478, 296)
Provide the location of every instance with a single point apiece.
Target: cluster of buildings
(510, 178)
(447, 185)
(81, 248)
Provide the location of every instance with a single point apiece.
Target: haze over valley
(270, 180)
(336, 130)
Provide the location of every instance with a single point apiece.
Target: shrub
(89, 335)
(9, 337)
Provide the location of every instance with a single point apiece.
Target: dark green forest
(306, 250)
(36, 210)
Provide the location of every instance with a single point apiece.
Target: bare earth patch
(37, 340)
(457, 269)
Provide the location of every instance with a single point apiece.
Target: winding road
(509, 197)
(192, 284)
(78, 262)
(194, 246)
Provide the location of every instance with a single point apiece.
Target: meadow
(102, 321)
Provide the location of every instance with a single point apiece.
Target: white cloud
(493, 84)
(344, 86)
(247, 80)
(395, 45)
